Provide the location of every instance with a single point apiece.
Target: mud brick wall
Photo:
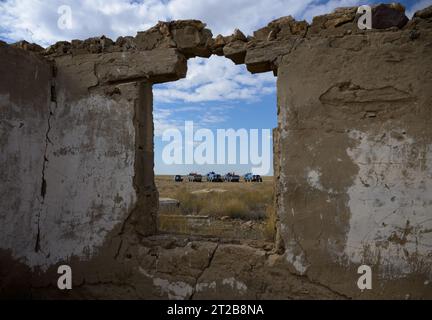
(77, 165)
(25, 104)
(356, 160)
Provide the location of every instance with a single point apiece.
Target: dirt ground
(224, 209)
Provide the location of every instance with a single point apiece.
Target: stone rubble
(259, 52)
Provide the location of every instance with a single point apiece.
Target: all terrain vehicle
(214, 177)
(249, 177)
(232, 177)
(194, 177)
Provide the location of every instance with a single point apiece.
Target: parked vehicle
(214, 177)
(257, 178)
(217, 178)
(178, 178)
(249, 177)
(194, 177)
(209, 176)
(232, 177)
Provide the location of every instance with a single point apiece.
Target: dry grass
(238, 201)
(246, 201)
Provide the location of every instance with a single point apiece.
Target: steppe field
(223, 209)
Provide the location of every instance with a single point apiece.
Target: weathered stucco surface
(25, 105)
(356, 160)
(352, 163)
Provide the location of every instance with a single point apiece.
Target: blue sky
(216, 93)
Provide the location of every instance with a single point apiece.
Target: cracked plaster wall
(77, 165)
(25, 103)
(355, 161)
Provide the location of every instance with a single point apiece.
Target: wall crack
(43, 189)
(202, 272)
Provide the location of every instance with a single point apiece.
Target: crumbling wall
(352, 163)
(78, 160)
(25, 104)
(356, 159)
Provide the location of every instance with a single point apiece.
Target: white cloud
(216, 79)
(314, 9)
(163, 120)
(418, 6)
(210, 119)
(36, 20)
(224, 16)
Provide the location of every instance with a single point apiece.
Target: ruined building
(353, 163)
